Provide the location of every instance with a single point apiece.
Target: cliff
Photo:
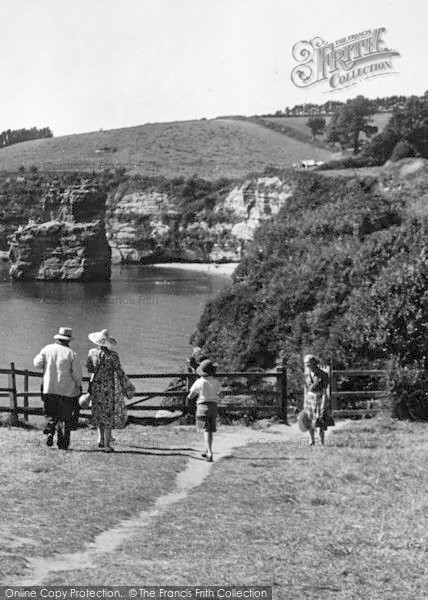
(70, 245)
(150, 225)
(146, 219)
(88, 221)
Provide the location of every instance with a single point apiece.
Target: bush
(350, 163)
(402, 150)
(408, 389)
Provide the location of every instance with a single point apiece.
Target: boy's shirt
(206, 389)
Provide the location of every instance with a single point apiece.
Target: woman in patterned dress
(316, 405)
(109, 384)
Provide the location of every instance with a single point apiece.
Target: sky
(85, 65)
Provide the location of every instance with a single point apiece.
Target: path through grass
(348, 521)
(54, 501)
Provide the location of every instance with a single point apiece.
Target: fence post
(13, 401)
(282, 391)
(333, 388)
(25, 394)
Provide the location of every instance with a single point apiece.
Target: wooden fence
(351, 402)
(19, 387)
(345, 401)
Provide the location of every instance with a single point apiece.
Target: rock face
(141, 226)
(84, 229)
(72, 246)
(147, 226)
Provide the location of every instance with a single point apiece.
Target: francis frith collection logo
(344, 62)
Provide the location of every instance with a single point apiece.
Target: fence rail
(344, 402)
(180, 390)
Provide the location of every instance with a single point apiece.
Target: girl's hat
(310, 359)
(64, 333)
(207, 367)
(102, 338)
(85, 400)
(303, 421)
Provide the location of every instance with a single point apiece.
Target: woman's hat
(310, 359)
(303, 421)
(102, 338)
(64, 333)
(207, 367)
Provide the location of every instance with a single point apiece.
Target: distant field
(208, 148)
(299, 123)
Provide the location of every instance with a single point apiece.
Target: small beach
(224, 269)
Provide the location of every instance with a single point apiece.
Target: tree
(349, 120)
(381, 146)
(410, 123)
(316, 125)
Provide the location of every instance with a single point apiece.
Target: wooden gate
(349, 401)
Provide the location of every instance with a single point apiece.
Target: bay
(151, 311)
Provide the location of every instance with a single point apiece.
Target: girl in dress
(316, 405)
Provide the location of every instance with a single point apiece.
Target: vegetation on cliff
(342, 271)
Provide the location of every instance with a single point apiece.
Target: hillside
(341, 271)
(209, 148)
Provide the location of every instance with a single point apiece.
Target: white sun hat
(102, 338)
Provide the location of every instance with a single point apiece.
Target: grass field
(208, 148)
(346, 522)
(55, 501)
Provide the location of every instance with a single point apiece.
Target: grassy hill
(209, 148)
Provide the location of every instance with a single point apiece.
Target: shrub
(350, 162)
(408, 389)
(402, 150)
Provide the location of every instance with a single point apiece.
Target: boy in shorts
(206, 391)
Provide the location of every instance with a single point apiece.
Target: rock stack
(72, 245)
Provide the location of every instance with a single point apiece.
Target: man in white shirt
(62, 381)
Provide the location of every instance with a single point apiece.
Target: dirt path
(191, 477)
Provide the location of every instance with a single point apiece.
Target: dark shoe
(49, 440)
(100, 444)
